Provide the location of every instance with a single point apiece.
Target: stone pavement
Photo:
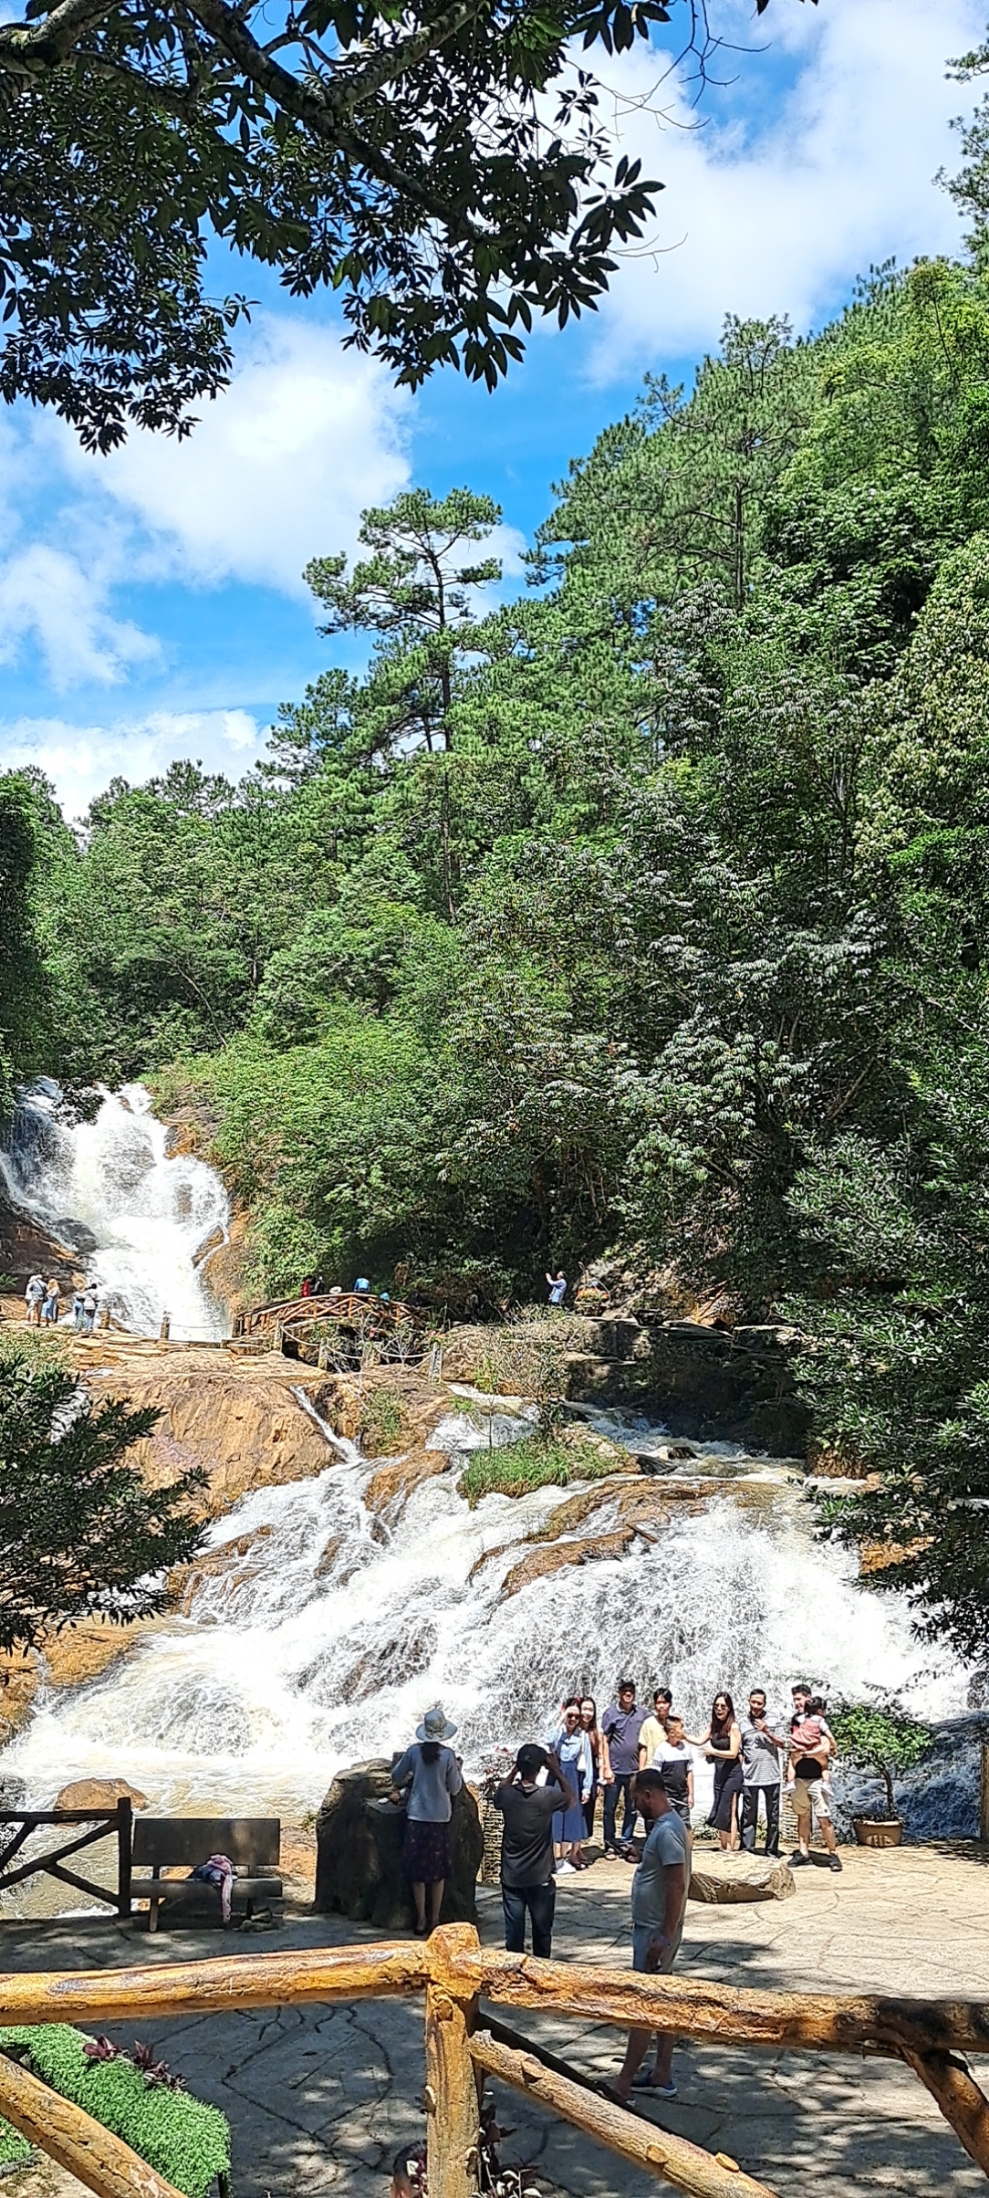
(320, 2100)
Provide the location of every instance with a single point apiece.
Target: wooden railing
(347, 1305)
(18, 1825)
(463, 2046)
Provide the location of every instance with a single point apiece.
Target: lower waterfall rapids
(322, 1639)
(137, 1218)
(325, 1642)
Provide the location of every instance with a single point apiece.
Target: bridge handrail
(455, 1972)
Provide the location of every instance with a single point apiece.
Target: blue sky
(151, 604)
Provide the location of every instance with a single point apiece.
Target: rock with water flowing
(359, 1872)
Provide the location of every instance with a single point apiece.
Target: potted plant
(881, 1737)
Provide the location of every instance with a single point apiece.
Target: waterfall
(137, 1220)
(323, 1636)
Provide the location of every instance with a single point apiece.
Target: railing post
(124, 1844)
(452, 2097)
(984, 1789)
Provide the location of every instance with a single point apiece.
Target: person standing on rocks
(431, 1770)
(33, 1299)
(599, 1752)
(810, 1795)
(557, 1287)
(621, 1725)
(659, 1898)
(722, 1744)
(674, 1762)
(572, 1748)
(762, 1751)
(528, 1884)
(654, 1729)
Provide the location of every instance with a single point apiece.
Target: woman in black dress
(722, 1745)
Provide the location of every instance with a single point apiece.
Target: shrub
(880, 1737)
(185, 2140)
(538, 1461)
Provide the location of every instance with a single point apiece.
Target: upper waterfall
(109, 1191)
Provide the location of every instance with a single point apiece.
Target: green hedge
(183, 2139)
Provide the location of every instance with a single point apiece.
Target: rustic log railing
(114, 1823)
(345, 1305)
(463, 2047)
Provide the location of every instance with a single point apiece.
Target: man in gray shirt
(761, 1753)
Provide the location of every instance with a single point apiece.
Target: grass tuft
(538, 1461)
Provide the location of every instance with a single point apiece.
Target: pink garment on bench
(218, 1870)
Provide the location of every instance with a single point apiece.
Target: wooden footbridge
(338, 1326)
(465, 2045)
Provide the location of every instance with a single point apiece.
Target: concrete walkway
(320, 2100)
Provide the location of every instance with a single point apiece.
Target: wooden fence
(18, 1825)
(354, 1306)
(464, 2045)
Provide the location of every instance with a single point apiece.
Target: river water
(321, 1642)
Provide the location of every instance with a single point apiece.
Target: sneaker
(834, 1863)
(644, 2082)
(664, 2091)
(797, 1861)
(565, 1869)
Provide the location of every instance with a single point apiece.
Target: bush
(185, 2140)
(880, 1737)
(538, 1461)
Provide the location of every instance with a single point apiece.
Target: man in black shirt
(527, 1880)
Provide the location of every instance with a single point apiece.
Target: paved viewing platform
(320, 2099)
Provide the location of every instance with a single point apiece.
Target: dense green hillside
(648, 910)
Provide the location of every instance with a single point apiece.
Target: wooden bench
(253, 1844)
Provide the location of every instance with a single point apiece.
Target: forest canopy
(645, 913)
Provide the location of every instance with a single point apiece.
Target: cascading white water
(108, 1190)
(323, 1643)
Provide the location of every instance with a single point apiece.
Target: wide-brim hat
(435, 1725)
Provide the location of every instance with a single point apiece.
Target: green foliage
(80, 1533)
(445, 172)
(182, 2138)
(881, 1737)
(538, 1461)
(649, 910)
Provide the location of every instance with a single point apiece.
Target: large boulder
(359, 1871)
(721, 1879)
(99, 1793)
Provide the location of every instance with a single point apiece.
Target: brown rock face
(239, 1421)
(359, 1870)
(547, 1558)
(99, 1793)
(83, 1650)
(389, 1489)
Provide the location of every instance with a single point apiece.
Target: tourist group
(643, 1763)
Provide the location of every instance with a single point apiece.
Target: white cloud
(46, 599)
(776, 212)
(277, 470)
(82, 759)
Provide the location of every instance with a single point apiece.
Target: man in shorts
(659, 1897)
(811, 1797)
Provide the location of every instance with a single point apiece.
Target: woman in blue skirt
(577, 1764)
